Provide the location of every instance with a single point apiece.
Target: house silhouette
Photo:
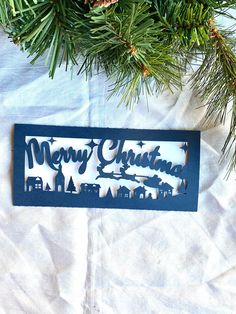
(90, 189)
(34, 184)
(140, 192)
(60, 180)
(165, 190)
(123, 192)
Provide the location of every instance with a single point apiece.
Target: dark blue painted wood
(187, 200)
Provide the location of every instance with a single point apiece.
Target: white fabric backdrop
(76, 260)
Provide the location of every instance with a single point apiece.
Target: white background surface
(73, 260)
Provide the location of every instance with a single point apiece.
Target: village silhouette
(91, 191)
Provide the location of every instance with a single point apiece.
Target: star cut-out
(140, 144)
(91, 144)
(184, 147)
(51, 140)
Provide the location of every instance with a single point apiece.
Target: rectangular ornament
(106, 168)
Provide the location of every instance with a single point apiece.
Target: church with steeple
(60, 180)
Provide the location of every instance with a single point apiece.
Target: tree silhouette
(182, 188)
(109, 193)
(71, 187)
(47, 187)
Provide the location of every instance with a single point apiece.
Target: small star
(140, 144)
(184, 147)
(51, 140)
(92, 144)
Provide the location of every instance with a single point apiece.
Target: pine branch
(3, 12)
(47, 26)
(184, 22)
(125, 44)
(219, 4)
(215, 81)
(230, 143)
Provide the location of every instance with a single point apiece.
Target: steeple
(60, 180)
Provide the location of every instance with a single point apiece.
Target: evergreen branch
(44, 26)
(219, 4)
(126, 45)
(185, 22)
(230, 143)
(3, 12)
(215, 81)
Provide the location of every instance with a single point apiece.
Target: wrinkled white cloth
(77, 260)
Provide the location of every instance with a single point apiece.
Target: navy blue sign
(106, 168)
